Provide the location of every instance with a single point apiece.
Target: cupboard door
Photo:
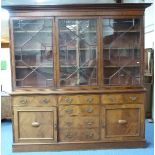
(122, 122)
(33, 52)
(122, 51)
(35, 125)
(77, 52)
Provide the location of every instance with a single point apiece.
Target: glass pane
(121, 51)
(33, 52)
(77, 52)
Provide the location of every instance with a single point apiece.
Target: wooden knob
(122, 121)
(35, 124)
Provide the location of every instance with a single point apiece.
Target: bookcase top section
(78, 6)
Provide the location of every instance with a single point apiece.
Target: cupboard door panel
(78, 52)
(33, 51)
(122, 122)
(35, 125)
(122, 51)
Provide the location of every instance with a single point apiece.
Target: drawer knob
(90, 100)
(35, 124)
(121, 121)
(90, 123)
(89, 110)
(23, 101)
(133, 98)
(68, 100)
(69, 124)
(89, 135)
(112, 99)
(69, 111)
(69, 135)
(45, 101)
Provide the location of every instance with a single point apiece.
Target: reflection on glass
(33, 52)
(77, 52)
(121, 51)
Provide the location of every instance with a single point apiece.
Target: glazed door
(33, 52)
(78, 52)
(122, 51)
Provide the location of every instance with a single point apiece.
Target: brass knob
(89, 135)
(112, 99)
(69, 124)
(24, 101)
(90, 100)
(69, 111)
(89, 110)
(69, 135)
(68, 100)
(133, 98)
(45, 101)
(35, 124)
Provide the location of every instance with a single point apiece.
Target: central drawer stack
(78, 118)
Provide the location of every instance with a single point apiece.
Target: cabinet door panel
(121, 122)
(33, 51)
(121, 51)
(35, 125)
(77, 52)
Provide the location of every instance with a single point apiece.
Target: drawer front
(112, 99)
(79, 135)
(135, 98)
(78, 99)
(124, 98)
(65, 99)
(124, 121)
(79, 122)
(35, 125)
(35, 100)
(73, 110)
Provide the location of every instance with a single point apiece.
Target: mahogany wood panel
(35, 124)
(122, 122)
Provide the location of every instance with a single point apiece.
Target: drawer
(79, 122)
(89, 99)
(73, 110)
(124, 98)
(34, 100)
(122, 121)
(35, 125)
(78, 134)
(78, 99)
(65, 99)
(112, 98)
(134, 98)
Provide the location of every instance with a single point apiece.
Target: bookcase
(77, 74)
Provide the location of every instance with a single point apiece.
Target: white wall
(5, 76)
(149, 25)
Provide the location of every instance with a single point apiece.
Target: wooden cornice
(78, 6)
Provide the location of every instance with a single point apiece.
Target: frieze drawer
(123, 98)
(78, 99)
(34, 100)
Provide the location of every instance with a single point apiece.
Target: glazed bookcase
(77, 74)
